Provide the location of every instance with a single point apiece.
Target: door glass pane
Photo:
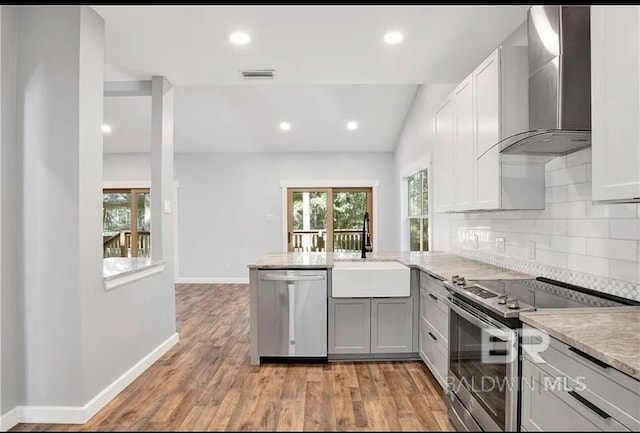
(116, 223)
(348, 216)
(425, 194)
(414, 234)
(425, 234)
(143, 215)
(309, 221)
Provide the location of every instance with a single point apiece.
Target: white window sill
(118, 271)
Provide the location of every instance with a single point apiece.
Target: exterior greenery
(418, 211)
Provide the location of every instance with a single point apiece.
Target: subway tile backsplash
(572, 239)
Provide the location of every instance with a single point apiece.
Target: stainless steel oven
(483, 386)
(482, 389)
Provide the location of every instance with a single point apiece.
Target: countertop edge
(133, 271)
(530, 318)
(421, 267)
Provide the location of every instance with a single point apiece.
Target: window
(126, 222)
(314, 212)
(418, 212)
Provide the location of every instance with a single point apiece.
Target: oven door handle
(471, 318)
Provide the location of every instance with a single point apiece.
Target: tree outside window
(418, 212)
(126, 217)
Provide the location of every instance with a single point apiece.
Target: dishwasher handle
(293, 278)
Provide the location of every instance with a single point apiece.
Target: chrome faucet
(366, 240)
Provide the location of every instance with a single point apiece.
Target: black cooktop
(547, 293)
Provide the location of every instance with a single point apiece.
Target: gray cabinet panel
(548, 406)
(391, 325)
(349, 325)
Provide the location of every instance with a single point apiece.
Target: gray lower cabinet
(391, 325)
(370, 325)
(571, 391)
(349, 325)
(434, 327)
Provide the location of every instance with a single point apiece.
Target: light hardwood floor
(207, 383)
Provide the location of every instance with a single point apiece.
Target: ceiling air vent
(259, 74)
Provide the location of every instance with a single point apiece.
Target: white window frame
(419, 163)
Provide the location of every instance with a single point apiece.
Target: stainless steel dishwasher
(292, 315)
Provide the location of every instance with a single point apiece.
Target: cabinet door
(464, 154)
(349, 325)
(391, 325)
(615, 102)
(486, 80)
(443, 158)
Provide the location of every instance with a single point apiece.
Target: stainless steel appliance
(559, 46)
(484, 352)
(292, 315)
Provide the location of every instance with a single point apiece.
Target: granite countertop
(610, 334)
(115, 267)
(441, 265)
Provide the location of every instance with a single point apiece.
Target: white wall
(126, 168)
(413, 153)
(230, 205)
(12, 349)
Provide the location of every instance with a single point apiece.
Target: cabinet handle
(432, 336)
(588, 357)
(435, 298)
(593, 407)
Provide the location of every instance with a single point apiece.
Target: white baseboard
(183, 280)
(53, 414)
(82, 414)
(11, 418)
(109, 393)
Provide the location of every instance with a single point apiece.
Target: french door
(327, 219)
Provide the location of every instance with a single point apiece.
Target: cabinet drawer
(607, 388)
(433, 310)
(433, 353)
(548, 405)
(432, 284)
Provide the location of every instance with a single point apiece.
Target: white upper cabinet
(500, 87)
(464, 153)
(443, 158)
(486, 81)
(615, 102)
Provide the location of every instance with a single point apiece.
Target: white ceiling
(330, 61)
(247, 118)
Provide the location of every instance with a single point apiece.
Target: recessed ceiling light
(393, 38)
(352, 125)
(285, 126)
(240, 38)
(105, 128)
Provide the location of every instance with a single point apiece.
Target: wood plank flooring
(206, 382)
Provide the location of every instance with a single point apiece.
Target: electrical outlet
(476, 241)
(532, 250)
(499, 245)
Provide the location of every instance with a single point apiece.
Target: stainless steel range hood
(559, 83)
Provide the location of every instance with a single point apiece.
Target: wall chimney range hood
(559, 83)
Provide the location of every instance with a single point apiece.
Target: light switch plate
(166, 206)
(499, 245)
(532, 250)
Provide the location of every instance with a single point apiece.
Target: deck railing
(119, 245)
(316, 240)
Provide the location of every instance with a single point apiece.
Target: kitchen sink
(370, 279)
